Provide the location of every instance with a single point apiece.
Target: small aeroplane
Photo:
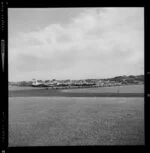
(58, 84)
(36, 83)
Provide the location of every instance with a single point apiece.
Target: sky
(75, 43)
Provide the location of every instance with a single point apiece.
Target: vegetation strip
(57, 93)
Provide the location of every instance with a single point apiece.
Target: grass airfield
(124, 91)
(71, 121)
(114, 89)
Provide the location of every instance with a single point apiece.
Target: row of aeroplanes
(36, 83)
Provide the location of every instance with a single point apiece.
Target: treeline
(131, 79)
(21, 83)
(128, 79)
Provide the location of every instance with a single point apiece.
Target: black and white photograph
(76, 76)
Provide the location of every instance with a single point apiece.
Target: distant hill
(128, 79)
(131, 79)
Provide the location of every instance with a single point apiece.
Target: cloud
(96, 38)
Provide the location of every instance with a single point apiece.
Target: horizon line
(79, 79)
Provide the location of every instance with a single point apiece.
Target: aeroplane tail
(34, 82)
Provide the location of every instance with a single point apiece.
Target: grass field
(50, 121)
(14, 88)
(124, 91)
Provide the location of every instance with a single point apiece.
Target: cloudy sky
(75, 43)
